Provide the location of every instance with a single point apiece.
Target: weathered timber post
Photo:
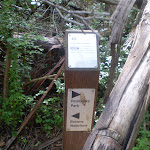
(81, 82)
(129, 99)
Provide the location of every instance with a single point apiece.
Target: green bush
(143, 140)
(50, 115)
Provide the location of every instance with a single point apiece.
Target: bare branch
(110, 2)
(76, 12)
(86, 24)
(69, 20)
(96, 17)
(114, 2)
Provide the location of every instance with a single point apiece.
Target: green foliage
(98, 111)
(60, 86)
(11, 20)
(104, 63)
(143, 140)
(13, 110)
(50, 115)
(131, 21)
(14, 32)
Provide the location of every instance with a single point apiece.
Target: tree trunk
(6, 73)
(128, 99)
(119, 18)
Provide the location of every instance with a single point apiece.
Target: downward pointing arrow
(76, 115)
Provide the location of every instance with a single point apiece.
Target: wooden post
(81, 82)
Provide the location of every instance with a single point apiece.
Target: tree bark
(130, 96)
(115, 52)
(119, 19)
(6, 73)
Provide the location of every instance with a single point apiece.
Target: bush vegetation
(21, 24)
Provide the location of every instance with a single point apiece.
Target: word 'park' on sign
(80, 104)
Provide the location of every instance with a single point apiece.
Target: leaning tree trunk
(129, 98)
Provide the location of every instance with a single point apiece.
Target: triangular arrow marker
(74, 94)
(76, 115)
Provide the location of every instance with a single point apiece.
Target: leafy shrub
(50, 115)
(143, 140)
(12, 110)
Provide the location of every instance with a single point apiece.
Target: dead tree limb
(115, 51)
(41, 81)
(49, 142)
(77, 14)
(129, 97)
(119, 19)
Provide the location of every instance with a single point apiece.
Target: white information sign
(80, 109)
(82, 50)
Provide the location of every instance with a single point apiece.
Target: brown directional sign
(79, 101)
(81, 82)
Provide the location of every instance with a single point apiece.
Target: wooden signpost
(81, 82)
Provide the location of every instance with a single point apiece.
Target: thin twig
(49, 142)
(76, 12)
(69, 20)
(54, 21)
(96, 17)
(37, 79)
(40, 82)
(86, 24)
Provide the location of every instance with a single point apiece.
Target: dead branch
(129, 98)
(119, 19)
(37, 79)
(77, 14)
(112, 71)
(116, 2)
(140, 13)
(69, 20)
(86, 24)
(40, 82)
(96, 17)
(49, 142)
(110, 2)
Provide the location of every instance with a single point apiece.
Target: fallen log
(129, 98)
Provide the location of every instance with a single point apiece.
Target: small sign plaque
(82, 50)
(80, 109)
